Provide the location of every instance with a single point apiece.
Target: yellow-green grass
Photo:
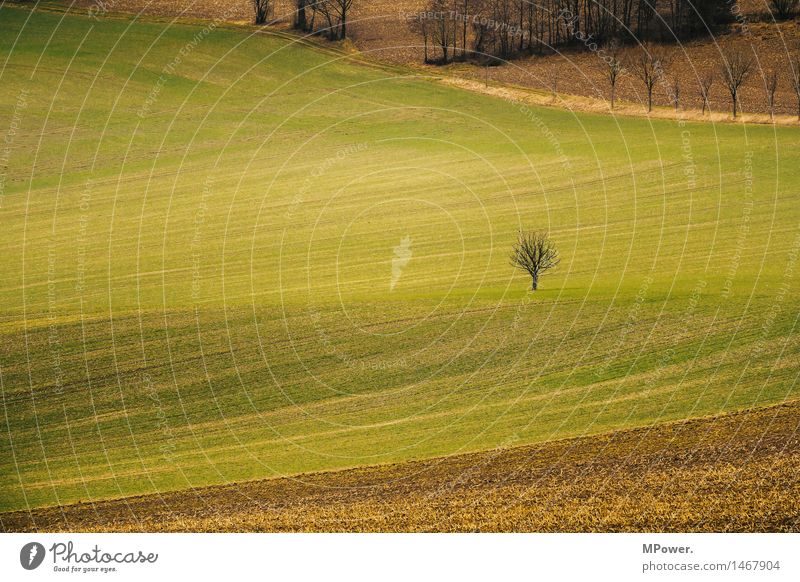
(199, 227)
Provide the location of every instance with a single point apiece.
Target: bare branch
(552, 76)
(771, 87)
(705, 82)
(735, 70)
(614, 68)
(262, 9)
(534, 252)
(794, 65)
(783, 9)
(648, 63)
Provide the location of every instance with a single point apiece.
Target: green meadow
(229, 255)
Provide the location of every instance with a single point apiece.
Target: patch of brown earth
(735, 472)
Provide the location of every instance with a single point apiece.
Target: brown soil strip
(735, 472)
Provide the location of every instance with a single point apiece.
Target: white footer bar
(387, 557)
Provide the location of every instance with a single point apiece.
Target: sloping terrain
(736, 472)
(379, 29)
(229, 256)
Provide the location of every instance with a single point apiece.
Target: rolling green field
(229, 255)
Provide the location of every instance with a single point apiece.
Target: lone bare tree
(675, 87)
(444, 28)
(553, 74)
(735, 68)
(794, 77)
(705, 82)
(261, 9)
(534, 252)
(419, 24)
(614, 68)
(649, 63)
(771, 86)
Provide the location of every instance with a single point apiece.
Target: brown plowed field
(737, 472)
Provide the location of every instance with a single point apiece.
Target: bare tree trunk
(300, 21)
(535, 281)
(676, 89)
(464, 30)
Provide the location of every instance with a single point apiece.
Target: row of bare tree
(783, 9)
(325, 17)
(650, 64)
(503, 28)
(453, 29)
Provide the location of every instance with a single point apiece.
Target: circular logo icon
(31, 555)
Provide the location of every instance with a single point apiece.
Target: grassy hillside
(199, 228)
